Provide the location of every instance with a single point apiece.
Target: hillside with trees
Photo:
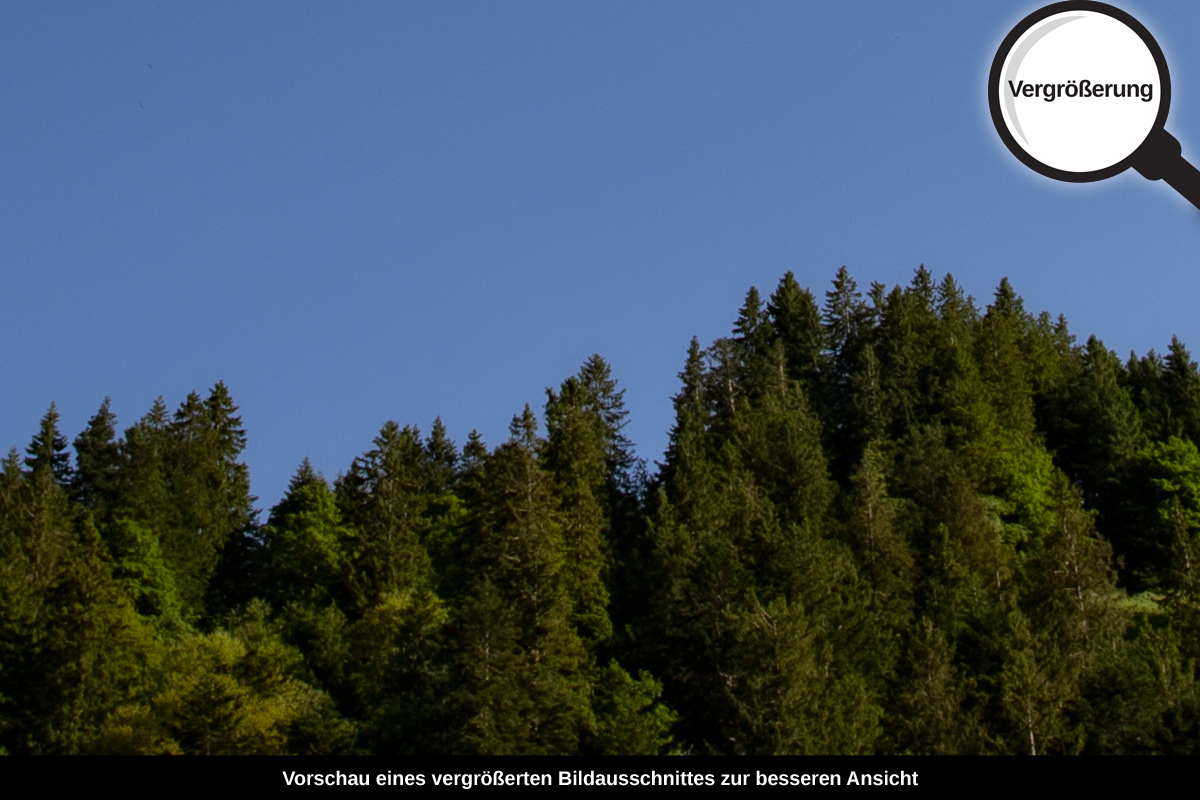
(887, 521)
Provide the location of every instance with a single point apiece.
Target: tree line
(888, 522)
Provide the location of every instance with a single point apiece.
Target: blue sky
(355, 212)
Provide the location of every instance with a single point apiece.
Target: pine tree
(575, 455)
(884, 557)
(520, 670)
(209, 490)
(1003, 369)
(797, 322)
(625, 471)
(400, 678)
(47, 450)
(391, 508)
(305, 543)
(907, 342)
(384, 498)
(1095, 431)
(932, 715)
(691, 414)
(1070, 622)
(746, 607)
(70, 645)
(752, 337)
(98, 460)
(845, 318)
(848, 323)
(1181, 390)
(1144, 381)
(474, 452)
(442, 460)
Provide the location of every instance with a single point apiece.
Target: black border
(264, 776)
(1027, 23)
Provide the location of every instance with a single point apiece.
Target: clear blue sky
(355, 212)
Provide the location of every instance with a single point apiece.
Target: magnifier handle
(1161, 158)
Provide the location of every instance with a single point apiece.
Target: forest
(887, 522)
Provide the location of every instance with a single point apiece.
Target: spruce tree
(305, 543)
(384, 498)
(442, 460)
(848, 324)
(797, 324)
(70, 645)
(749, 600)
(520, 669)
(575, 455)
(884, 557)
(48, 450)
(1181, 391)
(98, 460)
(209, 493)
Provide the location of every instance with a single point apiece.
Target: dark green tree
(521, 673)
(797, 322)
(71, 647)
(384, 497)
(48, 450)
(98, 461)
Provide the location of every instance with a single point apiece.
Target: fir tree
(305, 543)
(575, 455)
(442, 460)
(383, 498)
(70, 645)
(98, 460)
(797, 323)
(521, 671)
(47, 451)
(1181, 391)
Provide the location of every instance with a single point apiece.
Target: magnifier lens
(1078, 92)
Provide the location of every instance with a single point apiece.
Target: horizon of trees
(886, 522)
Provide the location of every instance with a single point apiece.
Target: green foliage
(797, 325)
(575, 454)
(47, 450)
(397, 673)
(231, 692)
(70, 645)
(384, 498)
(136, 563)
(98, 460)
(629, 720)
(891, 523)
(305, 542)
(520, 670)
(181, 479)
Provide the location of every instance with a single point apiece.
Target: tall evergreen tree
(71, 647)
(575, 455)
(797, 322)
(48, 450)
(208, 490)
(848, 323)
(747, 594)
(306, 544)
(384, 498)
(520, 670)
(1181, 390)
(98, 460)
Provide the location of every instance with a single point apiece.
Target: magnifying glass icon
(1079, 92)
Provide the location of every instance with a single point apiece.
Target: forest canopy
(887, 521)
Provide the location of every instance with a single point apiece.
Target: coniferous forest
(888, 521)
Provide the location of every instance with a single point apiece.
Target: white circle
(1074, 52)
